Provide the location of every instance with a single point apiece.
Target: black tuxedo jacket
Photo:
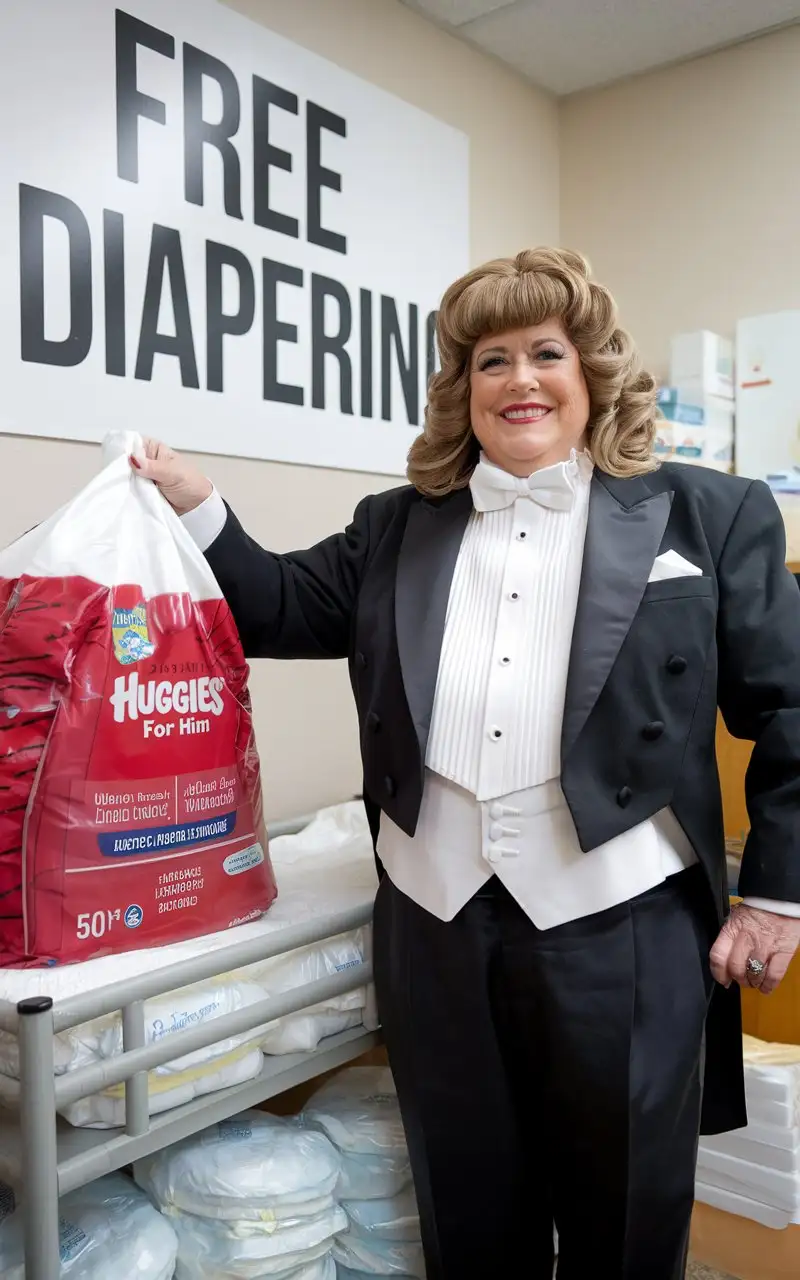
(650, 663)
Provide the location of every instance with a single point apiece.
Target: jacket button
(624, 796)
(653, 730)
(676, 665)
(390, 785)
(361, 661)
(373, 721)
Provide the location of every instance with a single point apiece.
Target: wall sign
(209, 234)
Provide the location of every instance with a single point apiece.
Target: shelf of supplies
(86, 1154)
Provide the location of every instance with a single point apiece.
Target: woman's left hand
(754, 948)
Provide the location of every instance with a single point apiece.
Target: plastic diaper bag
(251, 1197)
(108, 1230)
(359, 1112)
(130, 793)
(254, 1167)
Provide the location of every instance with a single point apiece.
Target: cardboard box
(688, 404)
(705, 358)
(768, 395)
(696, 445)
(677, 411)
(703, 446)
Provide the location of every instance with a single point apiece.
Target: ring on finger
(755, 969)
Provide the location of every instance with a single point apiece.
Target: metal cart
(45, 1157)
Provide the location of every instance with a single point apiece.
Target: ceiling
(568, 45)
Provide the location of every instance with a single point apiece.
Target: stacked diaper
(382, 1239)
(250, 1197)
(359, 1112)
(755, 1172)
(108, 1231)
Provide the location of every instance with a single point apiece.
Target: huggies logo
(132, 699)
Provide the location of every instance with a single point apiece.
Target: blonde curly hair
(513, 293)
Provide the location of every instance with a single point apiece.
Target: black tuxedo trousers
(549, 1077)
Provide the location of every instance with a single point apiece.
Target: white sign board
(211, 235)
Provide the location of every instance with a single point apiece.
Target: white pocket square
(671, 565)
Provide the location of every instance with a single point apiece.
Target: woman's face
(529, 404)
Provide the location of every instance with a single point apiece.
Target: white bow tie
(553, 487)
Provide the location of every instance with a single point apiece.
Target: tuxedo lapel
(428, 555)
(625, 527)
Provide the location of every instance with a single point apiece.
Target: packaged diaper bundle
(358, 1110)
(108, 1229)
(250, 1197)
(382, 1239)
(217, 1250)
(302, 1031)
(131, 811)
(361, 1259)
(395, 1219)
(231, 1061)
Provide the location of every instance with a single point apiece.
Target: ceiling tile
(455, 13)
(569, 45)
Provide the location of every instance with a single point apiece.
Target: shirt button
(390, 785)
(504, 662)
(492, 855)
(676, 665)
(624, 797)
(653, 730)
(513, 595)
(495, 733)
(495, 811)
(521, 536)
(496, 831)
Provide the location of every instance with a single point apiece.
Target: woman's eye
(550, 353)
(491, 362)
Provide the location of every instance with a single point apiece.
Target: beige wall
(683, 188)
(304, 715)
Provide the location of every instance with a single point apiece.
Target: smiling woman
(540, 628)
(527, 334)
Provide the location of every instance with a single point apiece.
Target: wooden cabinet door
(733, 757)
(775, 1017)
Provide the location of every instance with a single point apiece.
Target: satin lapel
(624, 532)
(428, 555)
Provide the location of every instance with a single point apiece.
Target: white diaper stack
(251, 1197)
(358, 1111)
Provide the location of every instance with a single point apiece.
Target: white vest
(492, 803)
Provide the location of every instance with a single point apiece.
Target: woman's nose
(524, 376)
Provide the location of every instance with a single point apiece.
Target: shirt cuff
(206, 522)
(773, 904)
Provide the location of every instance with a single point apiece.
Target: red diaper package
(130, 792)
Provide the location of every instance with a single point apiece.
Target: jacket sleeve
(759, 689)
(298, 605)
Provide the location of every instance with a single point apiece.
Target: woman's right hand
(183, 486)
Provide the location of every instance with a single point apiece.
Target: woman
(539, 630)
